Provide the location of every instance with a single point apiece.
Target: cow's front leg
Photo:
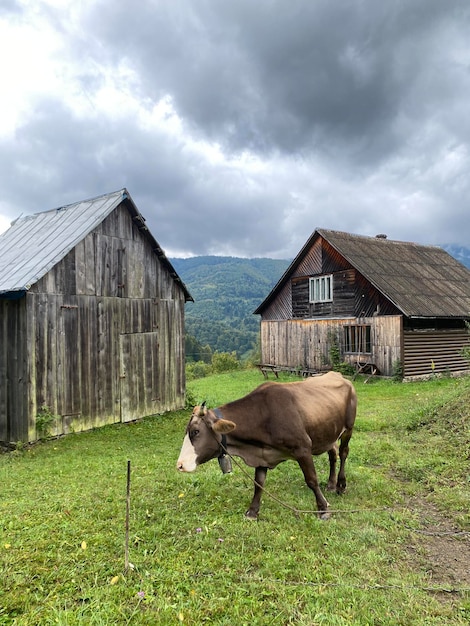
(310, 475)
(260, 477)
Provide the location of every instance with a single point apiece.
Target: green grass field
(196, 559)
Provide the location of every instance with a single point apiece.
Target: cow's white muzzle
(188, 456)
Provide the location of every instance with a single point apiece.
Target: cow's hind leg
(310, 475)
(260, 477)
(343, 455)
(333, 457)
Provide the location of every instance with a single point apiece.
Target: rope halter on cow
(223, 458)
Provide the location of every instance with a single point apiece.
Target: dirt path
(443, 548)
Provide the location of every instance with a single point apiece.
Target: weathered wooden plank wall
(13, 370)
(352, 296)
(110, 308)
(281, 306)
(307, 343)
(4, 425)
(296, 343)
(430, 352)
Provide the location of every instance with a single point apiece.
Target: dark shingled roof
(421, 281)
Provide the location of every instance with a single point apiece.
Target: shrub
(337, 365)
(466, 350)
(334, 350)
(45, 419)
(190, 400)
(224, 362)
(344, 368)
(397, 370)
(197, 370)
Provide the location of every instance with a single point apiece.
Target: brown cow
(274, 423)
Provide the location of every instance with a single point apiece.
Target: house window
(321, 289)
(357, 339)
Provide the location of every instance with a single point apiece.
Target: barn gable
(91, 319)
(36, 243)
(384, 291)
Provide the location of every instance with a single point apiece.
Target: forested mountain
(226, 291)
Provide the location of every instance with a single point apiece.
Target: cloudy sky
(237, 126)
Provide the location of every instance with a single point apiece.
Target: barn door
(68, 377)
(139, 375)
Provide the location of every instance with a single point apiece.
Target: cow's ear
(223, 426)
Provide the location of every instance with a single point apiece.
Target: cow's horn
(201, 409)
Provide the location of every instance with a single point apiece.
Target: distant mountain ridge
(461, 253)
(227, 290)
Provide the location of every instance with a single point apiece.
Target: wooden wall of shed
(352, 296)
(344, 297)
(429, 352)
(97, 361)
(307, 343)
(13, 371)
(280, 308)
(74, 356)
(109, 310)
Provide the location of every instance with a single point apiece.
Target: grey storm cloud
(298, 76)
(289, 115)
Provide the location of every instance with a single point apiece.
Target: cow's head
(203, 438)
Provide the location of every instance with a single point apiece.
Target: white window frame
(321, 288)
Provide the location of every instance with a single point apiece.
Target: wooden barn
(385, 304)
(91, 320)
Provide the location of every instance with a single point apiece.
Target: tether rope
(297, 512)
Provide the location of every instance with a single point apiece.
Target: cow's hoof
(251, 516)
(324, 515)
(331, 487)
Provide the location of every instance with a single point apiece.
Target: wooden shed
(385, 304)
(91, 320)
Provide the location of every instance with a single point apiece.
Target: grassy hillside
(395, 553)
(226, 291)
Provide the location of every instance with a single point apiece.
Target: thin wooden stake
(128, 507)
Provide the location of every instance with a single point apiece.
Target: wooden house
(384, 304)
(91, 320)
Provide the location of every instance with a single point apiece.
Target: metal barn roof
(35, 243)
